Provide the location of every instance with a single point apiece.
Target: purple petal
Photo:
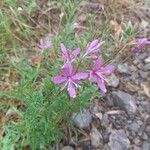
(76, 52)
(58, 79)
(94, 46)
(101, 84)
(140, 45)
(41, 45)
(64, 50)
(67, 69)
(80, 75)
(107, 69)
(71, 90)
(98, 64)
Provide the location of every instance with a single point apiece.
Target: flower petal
(140, 45)
(94, 46)
(98, 64)
(41, 45)
(58, 79)
(64, 50)
(101, 84)
(67, 69)
(107, 69)
(71, 90)
(76, 52)
(80, 75)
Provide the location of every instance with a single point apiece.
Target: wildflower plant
(70, 78)
(68, 73)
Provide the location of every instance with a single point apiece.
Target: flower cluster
(70, 78)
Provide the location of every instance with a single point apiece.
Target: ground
(118, 120)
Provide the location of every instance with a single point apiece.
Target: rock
(147, 60)
(143, 74)
(118, 140)
(105, 120)
(125, 101)
(136, 148)
(112, 80)
(124, 68)
(82, 119)
(145, 146)
(142, 56)
(106, 147)
(105, 136)
(145, 136)
(67, 148)
(146, 67)
(137, 141)
(148, 130)
(134, 127)
(144, 107)
(96, 137)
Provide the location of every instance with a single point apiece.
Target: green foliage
(45, 110)
(46, 113)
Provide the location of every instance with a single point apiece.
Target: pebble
(145, 146)
(142, 56)
(82, 119)
(67, 148)
(112, 80)
(124, 68)
(105, 120)
(145, 137)
(143, 74)
(146, 67)
(96, 137)
(136, 148)
(147, 60)
(118, 140)
(134, 127)
(125, 101)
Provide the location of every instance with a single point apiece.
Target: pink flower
(141, 44)
(98, 6)
(69, 78)
(97, 74)
(67, 55)
(44, 44)
(94, 46)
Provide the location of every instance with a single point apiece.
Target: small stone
(125, 101)
(148, 130)
(142, 56)
(147, 60)
(134, 127)
(124, 68)
(96, 137)
(82, 119)
(112, 80)
(67, 148)
(105, 120)
(144, 24)
(118, 140)
(106, 147)
(105, 136)
(146, 67)
(136, 148)
(145, 146)
(137, 141)
(145, 137)
(143, 74)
